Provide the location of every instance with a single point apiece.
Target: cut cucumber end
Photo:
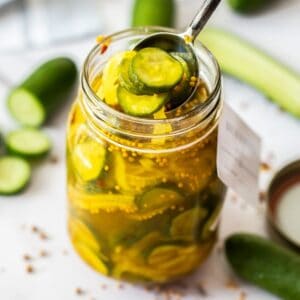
(26, 108)
(15, 174)
(28, 143)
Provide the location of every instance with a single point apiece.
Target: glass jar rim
(98, 106)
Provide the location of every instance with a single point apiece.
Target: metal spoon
(182, 42)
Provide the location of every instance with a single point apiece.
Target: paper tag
(238, 158)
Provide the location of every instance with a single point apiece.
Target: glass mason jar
(152, 212)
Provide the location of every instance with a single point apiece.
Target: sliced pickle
(156, 201)
(172, 260)
(186, 225)
(110, 79)
(80, 233)
(108, 202)
(89, 159)
(91, 257)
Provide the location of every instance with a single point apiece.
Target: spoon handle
(201, 18)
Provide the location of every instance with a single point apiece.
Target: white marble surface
(43, 204)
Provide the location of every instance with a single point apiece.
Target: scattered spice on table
(243, 296)
(262, 196)
(201, 289)
(27, 257)
(232, 284)
(53, 159)
(79, 291)
(44, 253)
(103, 286)
(265, 167)
(29, 269)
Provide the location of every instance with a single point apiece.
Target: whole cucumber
(153, 12)
(265, 264)
(244, 61)
(246, 6)
(42, 92)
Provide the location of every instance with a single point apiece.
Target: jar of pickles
(144, 196)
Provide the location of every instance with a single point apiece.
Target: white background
(44, 204)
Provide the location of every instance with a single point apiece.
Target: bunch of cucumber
(31, 103)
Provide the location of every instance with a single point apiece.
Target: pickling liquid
(146, 217)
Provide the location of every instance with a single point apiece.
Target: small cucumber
(140, 105)
(2, 145)
(246, 6)
(48, 87)
(15, 174)
(28, 143)
(265, 264)
(89, 160)
(155, 69)
(243, 61)
(153, 12)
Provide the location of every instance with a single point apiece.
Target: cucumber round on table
(140, 105)
(34, 100)
(153, 12)
(28, 143)
(275, 80)
(265, 264)
(155, 69)
(15, 174)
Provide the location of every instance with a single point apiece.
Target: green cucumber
(153, 12)
(240, 59)
(265, 264)
(140, 105)
(28, 143)
(245, 6)
(15, 174)
(34, 100)
(155, 69)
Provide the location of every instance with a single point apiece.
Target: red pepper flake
(265, 166)
(34, 229)
(43, 236)
(53, 159)
(29, 269)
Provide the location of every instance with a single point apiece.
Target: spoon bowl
(183, 42)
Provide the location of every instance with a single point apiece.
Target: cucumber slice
(157, 200)
(153, 12)
(89, 160)
(186, 225)
(110, 78)
(124, 79)
(34, 100)
(255, 67)
(140, 105)
(28, 143)
(155, 69)
(15, 174)
(265, 264)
